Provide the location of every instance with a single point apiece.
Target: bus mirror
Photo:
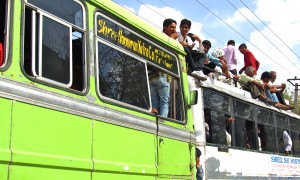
(193, 98)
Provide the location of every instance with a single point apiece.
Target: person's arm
(278, 88)
(268, 86)
(260, 86)
(174, 35)
(236, 77)
(197, 38)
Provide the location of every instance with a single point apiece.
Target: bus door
(172, 155)
(174, 150)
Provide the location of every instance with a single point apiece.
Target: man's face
(266, 80)
(273, 75)
(242, 50)
(168, 30)
(249, 73)
(206, 48)
(184, 29)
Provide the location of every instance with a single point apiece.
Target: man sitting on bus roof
(266, 77)
(256, 87)
(188, 45)
(276, 89)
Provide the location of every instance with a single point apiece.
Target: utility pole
(295, 92)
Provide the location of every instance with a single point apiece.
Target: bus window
(3, 15)
(122, 78)
(216, 112)
(267, 138)
(54, 43)
(282, 125)
(165, 93)
(244, 133)
(295, 130)
(217, 128)
(243, 109)
(207, 124)
(280, 140)
(266, 130)
(216, 101)
(125, 60)
(265, 116)
(176, 110)
(296, 143)
(244, 125)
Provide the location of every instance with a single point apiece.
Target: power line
(240, 34)
(262, 33)
(270, 29)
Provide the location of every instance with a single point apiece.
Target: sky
(270, 28)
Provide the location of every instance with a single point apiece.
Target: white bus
(251, 146)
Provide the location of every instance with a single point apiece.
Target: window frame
(39, 74)
(36, 38)
(266, 124)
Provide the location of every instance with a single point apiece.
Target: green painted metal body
(40, 141)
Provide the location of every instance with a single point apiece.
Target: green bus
(75, 98)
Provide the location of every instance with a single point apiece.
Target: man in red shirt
(249, 59)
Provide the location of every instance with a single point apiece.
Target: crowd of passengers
(201, 64)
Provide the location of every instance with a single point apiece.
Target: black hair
(266, 74)
(187, 22)
(168, 21)
(206, 42)
(231, 42)
(198, 152)
(243, 46)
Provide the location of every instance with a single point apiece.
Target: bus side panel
(5, 128)
(118, 150)
(174, 157)
(51, 140)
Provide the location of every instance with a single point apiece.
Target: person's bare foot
(281, 106)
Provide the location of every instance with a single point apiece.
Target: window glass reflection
(216, 101)
(122, 78)
(243, 109)
(55, 51)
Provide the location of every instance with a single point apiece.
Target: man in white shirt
(230, 57)
(188, 45)
(277, 90)
(287, 141)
